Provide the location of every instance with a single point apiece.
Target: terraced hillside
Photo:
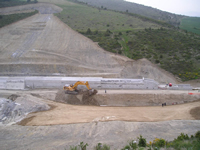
(43, 45)
(136, 37)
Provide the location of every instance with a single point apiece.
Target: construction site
(58, 88)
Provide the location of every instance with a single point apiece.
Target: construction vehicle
(72, 89)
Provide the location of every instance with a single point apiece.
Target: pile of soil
(82, 98)
(195, 112)
(13, 97)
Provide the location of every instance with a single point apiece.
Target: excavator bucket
(92, 92)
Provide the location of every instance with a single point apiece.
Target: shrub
(182, 137)
(88, 31)
(142, 142)
(197, 135)
(73, 148)
(133, 145)
(102, 147)
(83, 146)
(159, 142)
(157, 61)
(127, 147)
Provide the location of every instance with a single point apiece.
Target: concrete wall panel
(95, 82)
(15, 84)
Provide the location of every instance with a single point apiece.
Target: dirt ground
(67, 114)
(64, 125)
(61, 113)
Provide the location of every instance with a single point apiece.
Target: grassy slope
(82, 17)
(191, 24)
(123, 6)
(8, 19)
(11, 3)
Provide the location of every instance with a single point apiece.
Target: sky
(183, 7)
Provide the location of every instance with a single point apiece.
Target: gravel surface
(115, 133)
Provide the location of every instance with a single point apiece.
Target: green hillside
(80, 17)
(191, 24)
(170, 48)
(10, 3)
(8, 19)
(124, 6)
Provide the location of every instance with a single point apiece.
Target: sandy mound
(83, 98)
(195, 112)
(144, 68)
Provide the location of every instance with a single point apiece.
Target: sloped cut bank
(127, 98)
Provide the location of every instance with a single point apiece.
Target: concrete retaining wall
(12, 83)
(95, 82)
(176, 87)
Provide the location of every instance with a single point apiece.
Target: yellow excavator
(72, 89)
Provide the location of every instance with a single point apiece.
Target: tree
(107, 33)
(88, 31)
(142, 141)
(28, 1)
(157, 61)
(96, 32)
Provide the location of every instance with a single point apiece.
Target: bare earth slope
(43, 45)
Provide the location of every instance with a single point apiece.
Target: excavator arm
(81, 83)
(72, 89)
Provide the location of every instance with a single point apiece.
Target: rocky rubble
(16, 108)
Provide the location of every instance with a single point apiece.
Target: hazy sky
(184, 7)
